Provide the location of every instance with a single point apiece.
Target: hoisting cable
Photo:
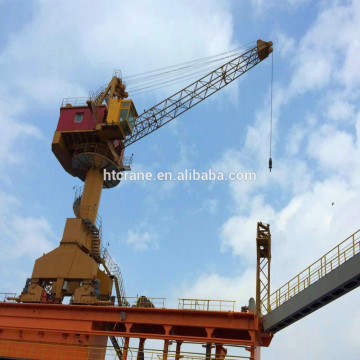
(180, 73)
(172, 74)
(271, 106)
(187, 63)
(184, 65)
(150, 81)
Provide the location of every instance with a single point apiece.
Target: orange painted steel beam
(50, 322)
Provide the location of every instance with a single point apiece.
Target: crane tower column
(90, 198)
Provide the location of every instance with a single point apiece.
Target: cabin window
(131, 119)
(123, 114)
(79, 117)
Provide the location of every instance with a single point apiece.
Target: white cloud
(335, 150)
(325, 53)
(216, 287)
(239, 231)
(23, 239)
(340, 110)
(13, 133)
(211, 205)
(263, 7)
(298, 134)
(63, 57)
(140, 240)
(285, 44)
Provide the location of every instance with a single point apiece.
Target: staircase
(114, 341)
(76, 206)
(96, 244)
(94, 228)
(110, 266)
(116, 346)
(113, 270)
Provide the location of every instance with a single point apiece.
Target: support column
(140, 354)
(208, 351)
(220, 352)
(178, 348)
(257, 350)
(254, 352)
(166, 349)
(126, 349)
(90, 199)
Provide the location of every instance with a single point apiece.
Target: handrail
(94, 148)
(72, 351)
(344, 251)
(78, 191)
(142, 301)
(114, 269)
(5, 295)
(90, 213)
(74, 101)
(207, 304)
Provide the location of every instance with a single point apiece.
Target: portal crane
(90, 138)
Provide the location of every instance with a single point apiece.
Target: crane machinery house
(121, 113)
(93, 124)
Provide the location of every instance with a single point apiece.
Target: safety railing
(77, 200)
(78, 191)
(114, 269)
(75, 101)
(171, 355)
(117, 73)
(97, 93)
(207, 304)
(72, 352)
(330, 261)
(5, 295)
(142, 301)
(89, 213)
(104, 156)
(127, 160)
(94, 148)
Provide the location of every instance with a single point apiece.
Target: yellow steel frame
(328, 262)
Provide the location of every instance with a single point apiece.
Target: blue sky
(193, 239)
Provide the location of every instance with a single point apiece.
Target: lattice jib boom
(183, 100)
